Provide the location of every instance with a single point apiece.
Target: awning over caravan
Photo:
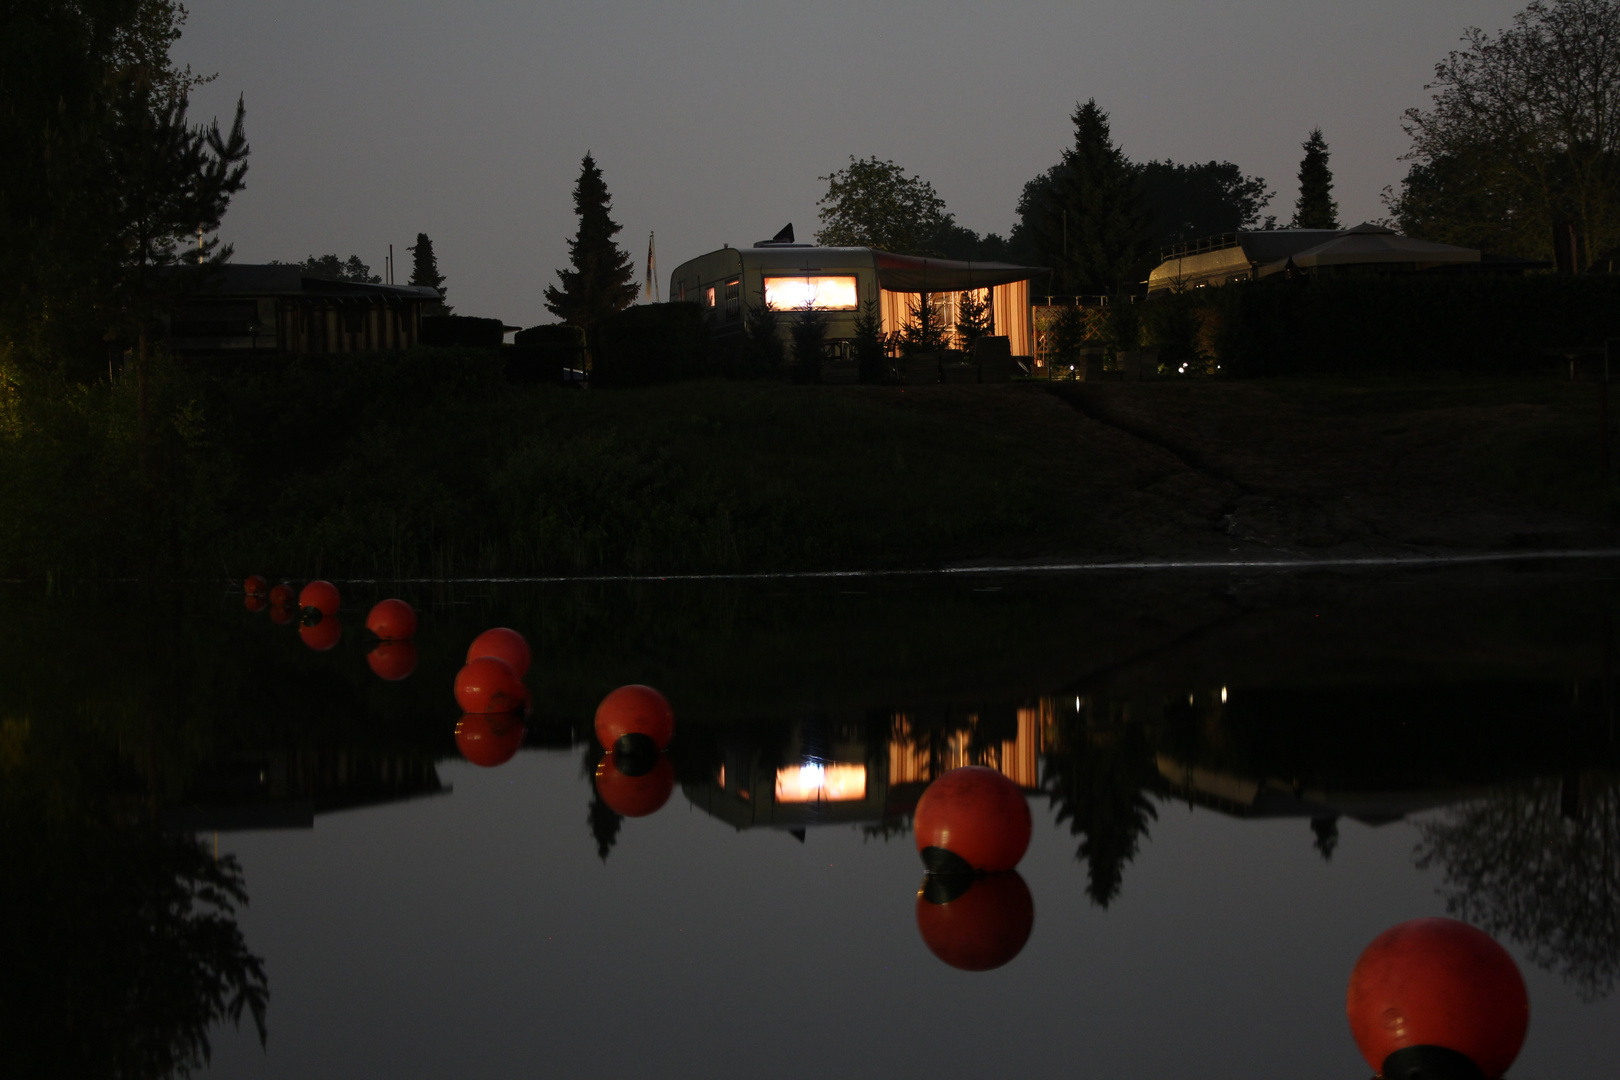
(913, 273)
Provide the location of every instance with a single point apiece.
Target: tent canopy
(1371, 244)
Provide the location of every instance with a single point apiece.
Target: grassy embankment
(432, 464)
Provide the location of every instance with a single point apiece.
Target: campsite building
(845, 281)
(1260, 253)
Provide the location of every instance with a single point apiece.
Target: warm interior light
(826, 292)
(815, 781)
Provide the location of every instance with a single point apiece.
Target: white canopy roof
(1372, 245)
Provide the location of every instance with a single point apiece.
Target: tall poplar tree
(600, 281)
(1315, 208)
(425, 267)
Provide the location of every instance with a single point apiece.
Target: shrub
(451, 330)
(649, 344)
(809, 334)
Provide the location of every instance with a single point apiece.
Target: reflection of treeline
(1539, 863)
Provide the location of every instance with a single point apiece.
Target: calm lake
(1237, 781)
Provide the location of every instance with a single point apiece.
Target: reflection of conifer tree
(1098, 781)
(1515, 866)
(605, 823)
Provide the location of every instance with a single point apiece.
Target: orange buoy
(281, 614)
(320, 595)
(321, 636)
(638, 792)
(255, 585)
(489, 739)
(975, 923)
(487, 685)
(254, 602)
(505, 644)
(392, 620)
(632, 715)
(282, 595)
(393, 660)
(1430, 990)
(972, 819)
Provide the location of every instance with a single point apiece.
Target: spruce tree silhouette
(1315, 208)
(599, 282)
(605, 823)
(1090, 224)
(425, 267)
(1098, 781)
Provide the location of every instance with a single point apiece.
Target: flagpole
(652, 268)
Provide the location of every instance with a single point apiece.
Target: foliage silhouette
(1315, 208)
(425, 268)
(600, 279)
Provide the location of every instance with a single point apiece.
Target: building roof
(289, 279)
(1375, 245)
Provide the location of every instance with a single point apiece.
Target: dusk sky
(712, 120)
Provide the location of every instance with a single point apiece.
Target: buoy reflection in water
(975, 922)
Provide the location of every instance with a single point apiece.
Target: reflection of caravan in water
(843, 281)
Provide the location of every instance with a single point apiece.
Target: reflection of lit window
(721, 779)
(817, 782)
(708, 297)
(825, 291)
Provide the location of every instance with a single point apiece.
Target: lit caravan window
(733, 299)
(815, 781)
(708, 297)
(828, 292)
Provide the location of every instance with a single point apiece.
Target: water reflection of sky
(1192, 749)
(479, 935)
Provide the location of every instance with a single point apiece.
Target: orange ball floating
(393, 660)
(503, 644)
(392, 620)
(321, 636)
(487, 685)
(488, 739)
(255, 585)
(281, 614)
(1430, 990)
(975, 923)
(972, 818)
(634, 714)
(282, 595)
(254, 602)
(320, 595)
(638, 792)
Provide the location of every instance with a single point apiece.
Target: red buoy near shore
(972, 818)
(255, 603)
(504, 644)
(281, 614)
(393, 660)
(488, 740)
(392, 620)
(282, 595)
(635, 793)
(487, 685)
(981, 927)
(320, 595)
(637, 712)
(1431, 988)
(255, 585)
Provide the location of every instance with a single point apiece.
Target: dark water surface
(1237, 783)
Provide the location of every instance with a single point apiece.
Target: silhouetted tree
(1521, 135)
(600, 281)
(1186, 202)
(425, 267)
(873, 203)
(765, 352)
(1099, 780)
(972, 317)
(1084, 216)
(1516, 866)
(332, 268)
(871, 351)
(924, 329)
(1315, 208)
(809, 333)
(605, 823)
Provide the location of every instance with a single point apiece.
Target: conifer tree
(425, 267)
(1315, 208)
(600, 281)
(1089, 218)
